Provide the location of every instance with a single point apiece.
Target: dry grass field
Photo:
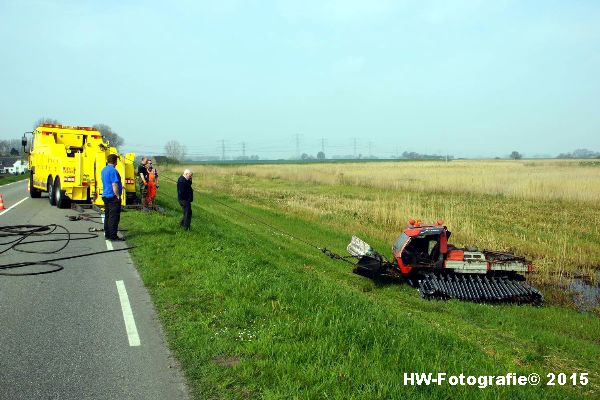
(577, 181)
(547, 210)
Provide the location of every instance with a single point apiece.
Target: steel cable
(324, 250)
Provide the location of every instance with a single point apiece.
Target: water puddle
(586, 296)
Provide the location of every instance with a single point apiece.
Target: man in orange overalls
(152, 182)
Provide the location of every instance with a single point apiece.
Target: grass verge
(251, 313)
(6, 179)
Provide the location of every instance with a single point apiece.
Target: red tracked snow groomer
(440, 270)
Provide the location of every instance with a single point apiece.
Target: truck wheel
(61, 199)
(33, 192)
(51, 196)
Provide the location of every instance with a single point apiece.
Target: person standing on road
(143, 180)
(185, 195)
(112, 188)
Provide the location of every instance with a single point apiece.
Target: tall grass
(6, 179)
(545, 210)
(533, 180)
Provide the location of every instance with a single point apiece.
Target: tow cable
(323, 250)
(84, 217)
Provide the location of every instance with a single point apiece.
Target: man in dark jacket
(143, 180)
(185, 195)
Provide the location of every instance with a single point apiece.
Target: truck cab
(421, 246)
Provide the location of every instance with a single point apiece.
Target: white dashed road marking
(132, 333)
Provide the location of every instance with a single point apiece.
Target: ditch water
(586, 296)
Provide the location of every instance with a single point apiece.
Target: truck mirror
(24, 142)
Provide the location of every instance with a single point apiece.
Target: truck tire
(33, 192)
(51, 196)
(61, 199)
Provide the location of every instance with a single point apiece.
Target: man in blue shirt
(112, 188)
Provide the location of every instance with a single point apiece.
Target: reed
(545, 210)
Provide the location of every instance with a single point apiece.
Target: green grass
(560, 236)
(251, 313)
(5, 179)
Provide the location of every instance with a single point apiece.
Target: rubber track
(477, 288)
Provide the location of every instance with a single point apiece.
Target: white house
(13, 166)
(19, 167)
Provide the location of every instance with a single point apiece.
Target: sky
(279, 78)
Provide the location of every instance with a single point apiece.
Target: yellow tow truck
(66, 161)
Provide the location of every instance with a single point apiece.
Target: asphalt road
(64, 335)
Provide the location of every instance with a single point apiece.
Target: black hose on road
(21, 236)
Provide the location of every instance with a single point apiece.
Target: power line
(277, 148)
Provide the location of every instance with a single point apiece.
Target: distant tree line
(411, 155)
(580, 153)
(11, 147)
(162, 160)
(305, 156)
(247, 158)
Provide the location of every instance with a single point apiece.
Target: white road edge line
(13, 206)
(132, 333)
(109, 245)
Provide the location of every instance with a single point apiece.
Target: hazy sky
(469, 78)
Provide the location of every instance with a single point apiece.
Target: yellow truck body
(66, 162)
